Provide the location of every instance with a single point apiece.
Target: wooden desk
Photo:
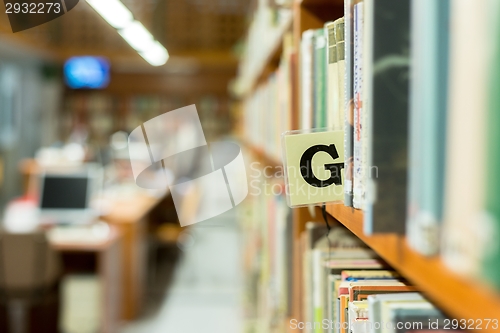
(107, 257)
(130, 216)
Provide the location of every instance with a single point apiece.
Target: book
(267, 112)
(357, 275)
(343, 313)
(388, 308)
(341, 286)
(359, 292)
(332, 95)
(415, 317)
(386, 91)
(490, 269)
(341, 250)
(314, 231)
(333, 270)
(375, 305)
(307, 45)
(340, 48)
(358, 176)
(358, 316)
(319, 77)
(329, 274)
(428, 108)
(468, 87)
(348, 101)
(344, 295)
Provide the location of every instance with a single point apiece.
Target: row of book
(419, 111)
(348, 289)
(414, 86)
(266, 224)
(268, 22)
(267, 110)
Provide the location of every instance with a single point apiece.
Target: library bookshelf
(458, 297)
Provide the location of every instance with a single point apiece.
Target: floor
(203, 294)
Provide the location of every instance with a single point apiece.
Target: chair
(29, 276)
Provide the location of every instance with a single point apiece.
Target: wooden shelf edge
(459, 297)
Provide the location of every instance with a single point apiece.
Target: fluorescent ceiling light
(113, 11)
(137, 36)
(134, 33)
(156, 55)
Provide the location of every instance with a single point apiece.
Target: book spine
(491, 258)
(320, 79)
(468, 80)
(332, 77)
(317, 292)
(428, 105)
(358, 185)
(348, 101)
(386, 90)
(306, 79)
(339, 37)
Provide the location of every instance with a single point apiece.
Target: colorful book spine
(348, 101)
(332, 96)
(463, 225)
(491, 259)
(319, 79)
(339, 37)
(387, 80)
(306, 79)
(428, 108)
(358, 183)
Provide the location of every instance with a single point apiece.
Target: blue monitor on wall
(86, 72)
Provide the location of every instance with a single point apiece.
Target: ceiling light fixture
(156, 55)
(133, 32)
(137, 36)
(113, 11)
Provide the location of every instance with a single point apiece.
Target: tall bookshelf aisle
(413, 84)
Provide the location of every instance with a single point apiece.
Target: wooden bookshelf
(246, 82)
(459, 297)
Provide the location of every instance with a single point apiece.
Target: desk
(130, 217)
(106, 254)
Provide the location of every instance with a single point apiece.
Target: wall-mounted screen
(86, 72)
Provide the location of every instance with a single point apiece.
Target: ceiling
(200, 35)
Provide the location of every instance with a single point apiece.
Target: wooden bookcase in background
(457, 296)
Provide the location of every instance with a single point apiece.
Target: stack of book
(347, 288)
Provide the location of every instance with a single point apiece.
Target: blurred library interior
(395, 102)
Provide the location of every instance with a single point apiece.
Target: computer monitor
(65, 196)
